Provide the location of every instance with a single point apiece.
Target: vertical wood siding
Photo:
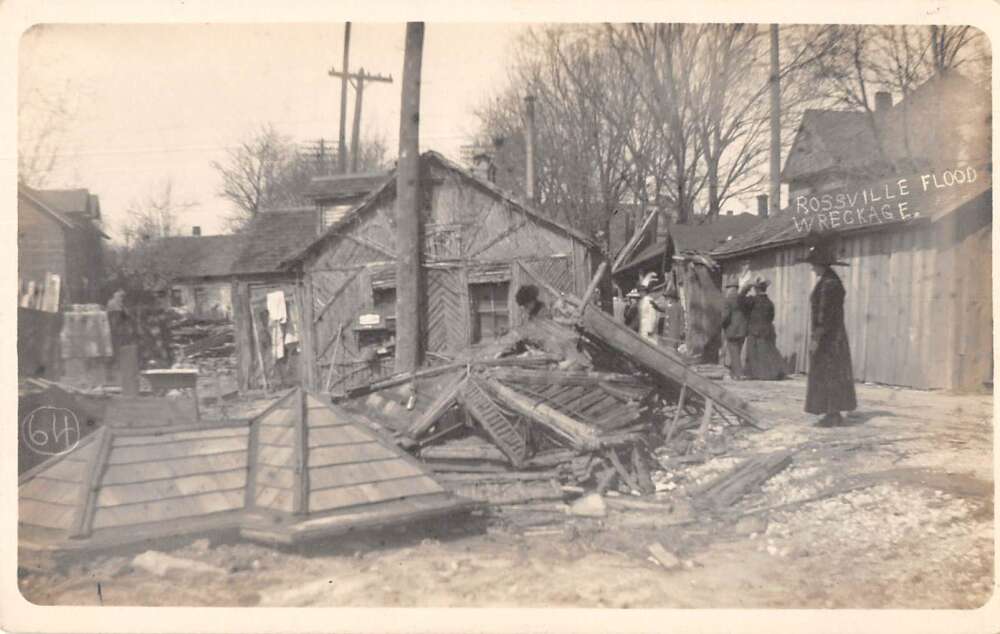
(918, 309)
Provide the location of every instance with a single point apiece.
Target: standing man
(673, 317)
(649, 311)
(830, 389)
(734, 329)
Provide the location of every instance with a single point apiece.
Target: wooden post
(408, 207)
(359, 91)
(342, 139)
(242, 327)
(669, 433)
(529, 141)
(775, 201)
(307, 335)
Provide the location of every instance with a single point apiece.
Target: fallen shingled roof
(301, 469)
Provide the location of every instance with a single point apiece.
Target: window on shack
(176, 297)
(490, 317)
(384, 304)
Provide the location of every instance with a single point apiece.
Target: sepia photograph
(549, 314)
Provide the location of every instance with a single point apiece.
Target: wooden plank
(179, 449)
(65, 470)
(189, 465)
(339, 435)
(668, 433)
(307, 333)
(84, 515)
(346, 454)
(128, 440)
(369, 493)
(657, 359)
(53, 491)
(253, 465)
(276, 436)
(437, 409)
(577, 433)
(147, 512)
(348, 474)
(281, 417)
(503, 432)
(300, 492)
(38, 513)
(336, 294)
(185, 486)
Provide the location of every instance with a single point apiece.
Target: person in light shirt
(649, 310)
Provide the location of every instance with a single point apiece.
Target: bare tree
(42, 123)
(267, 170)
(154, 216)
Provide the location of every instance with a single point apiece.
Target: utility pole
(408, 305)
(358, 80)
(775, 201)
(529, 142)
(342, 147)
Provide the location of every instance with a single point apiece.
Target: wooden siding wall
(41, 244)
(919, 301)
(473, 237)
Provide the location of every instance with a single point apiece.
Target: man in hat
(830, 389)
(632, 309)
(673, 316)
(734, 328)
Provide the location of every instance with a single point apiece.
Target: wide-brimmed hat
(761, 283)
(649, 279)
(632, 293)
(821, 250)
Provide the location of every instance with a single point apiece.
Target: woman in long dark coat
(831, 379)
(763, 361)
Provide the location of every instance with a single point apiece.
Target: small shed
(198, 269)
(473, 234)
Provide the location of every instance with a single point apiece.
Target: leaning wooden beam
(621, 338)
(500, 428)
(563, 377)
(578, 434)
(437, 408)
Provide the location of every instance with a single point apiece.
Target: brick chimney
(883, 102)
(762, 205)
(196, 231)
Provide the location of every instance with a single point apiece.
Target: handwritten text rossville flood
(890, 201)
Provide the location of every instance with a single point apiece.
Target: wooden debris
(494, 422)
(578, 434)
(437, 409)
(730, 487)
(665, 558)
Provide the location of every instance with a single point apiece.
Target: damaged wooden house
(572, 396)
(477, 244)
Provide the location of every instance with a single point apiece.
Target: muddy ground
(894, 510)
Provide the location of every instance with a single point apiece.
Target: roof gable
(387, 188)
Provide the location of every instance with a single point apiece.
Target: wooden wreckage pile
(574, 404)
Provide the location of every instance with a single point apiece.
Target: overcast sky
(160, 102)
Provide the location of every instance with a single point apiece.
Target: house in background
(479, 246)
(335, 195)
(199, 273)
(919, 292)
(59, 233)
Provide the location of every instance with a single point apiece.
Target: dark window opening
(176, 298)
(490, 317)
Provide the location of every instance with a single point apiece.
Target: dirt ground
(893, 510)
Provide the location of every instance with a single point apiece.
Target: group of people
(751, 353)
(658, 320)
(748, 331)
